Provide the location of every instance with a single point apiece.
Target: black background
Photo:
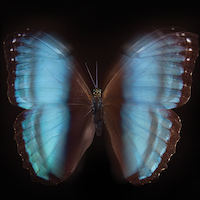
(96, 32)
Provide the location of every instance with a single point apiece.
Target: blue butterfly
(152, 76)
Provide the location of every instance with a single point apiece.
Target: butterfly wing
(57, 126)
(154, 76)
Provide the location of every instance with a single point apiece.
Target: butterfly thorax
(97, 111)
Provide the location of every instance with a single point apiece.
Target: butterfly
(61, 116)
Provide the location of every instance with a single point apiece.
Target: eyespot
(188, 40)
(14, 40)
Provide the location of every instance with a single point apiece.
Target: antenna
(96, 74)
(91, 75)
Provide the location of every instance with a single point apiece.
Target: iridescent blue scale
(62, 114)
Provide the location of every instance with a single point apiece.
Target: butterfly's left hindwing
(155, 76)
(57, 126)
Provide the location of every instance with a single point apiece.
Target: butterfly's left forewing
(155, 76)
(57, 126)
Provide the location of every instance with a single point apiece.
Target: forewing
(57, 127)
(154, 75)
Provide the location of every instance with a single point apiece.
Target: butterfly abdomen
(98, 114)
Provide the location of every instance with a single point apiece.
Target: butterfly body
(62, 115)
(98, 114)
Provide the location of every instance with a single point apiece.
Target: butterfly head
(96, 92)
